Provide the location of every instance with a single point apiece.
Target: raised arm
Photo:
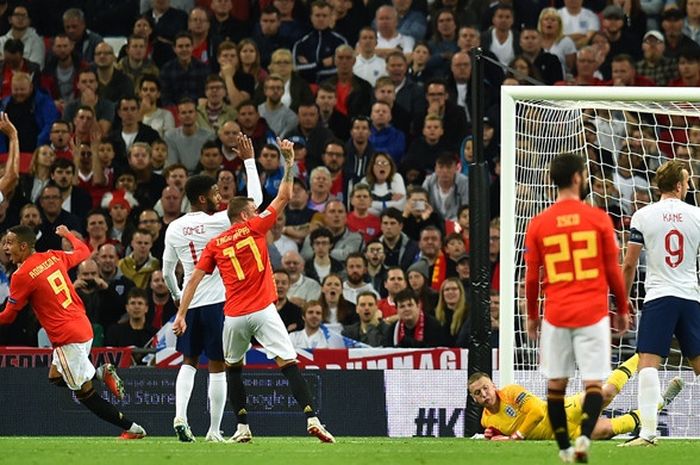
(247, 153)
(9, 180)
(284, 194)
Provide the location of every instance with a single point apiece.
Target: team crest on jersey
(510, 411)
(371, 231)
(521, 398)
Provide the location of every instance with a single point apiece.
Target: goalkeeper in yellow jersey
(514, 413)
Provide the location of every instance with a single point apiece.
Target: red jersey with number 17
(575, 243)
(42, 281)
(241, 255)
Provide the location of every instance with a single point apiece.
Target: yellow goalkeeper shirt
(520, 410)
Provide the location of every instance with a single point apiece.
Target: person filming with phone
(419, 213)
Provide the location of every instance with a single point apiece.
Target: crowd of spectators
(117, 102)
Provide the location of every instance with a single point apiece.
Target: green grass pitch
(308, 451)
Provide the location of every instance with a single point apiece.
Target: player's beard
(211, 206)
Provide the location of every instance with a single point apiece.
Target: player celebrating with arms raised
(185, 240)
(575, 244)
(241, 255)
(669, 231)
(9, 179)
(42, 280)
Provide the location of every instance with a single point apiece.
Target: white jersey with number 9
(669, 231)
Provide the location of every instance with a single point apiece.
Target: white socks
(217, 400)
(183, 390)
(648, 399)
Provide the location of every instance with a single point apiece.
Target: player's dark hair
(236, 205)
(24, 234)
(405, 295)
(197, 185)
(137, 293)
(669, 175)
(563, 168)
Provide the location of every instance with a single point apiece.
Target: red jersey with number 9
(575, 244)
(244, 264)
(43, 282)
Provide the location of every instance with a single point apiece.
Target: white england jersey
(669, 230)
(185, 240)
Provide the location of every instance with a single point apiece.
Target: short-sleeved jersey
(669, 231)
(43, 281)
(185, 240)
(574, 243)
(515, 404)
(241, 255)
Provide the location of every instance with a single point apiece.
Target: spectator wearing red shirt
(688, 69)
(587, 65)
(359, 219)
(394, 283)
(625, 74)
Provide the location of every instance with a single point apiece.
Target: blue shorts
(205, 327)
(662, 318)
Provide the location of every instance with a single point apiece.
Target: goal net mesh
(623, 143)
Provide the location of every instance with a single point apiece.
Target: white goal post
(624, 134)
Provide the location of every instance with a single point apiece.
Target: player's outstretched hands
(245, 146)
(6, 126)
(179, 326)
(287, 148)
(62, 231)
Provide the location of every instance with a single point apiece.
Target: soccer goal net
(624, 134)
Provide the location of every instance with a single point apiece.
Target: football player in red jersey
(42, 281)
(241, 255)
(575, 245)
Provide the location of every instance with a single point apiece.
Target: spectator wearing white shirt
(499, 38)
(315, 334)
(579, 23)
(389, 39)
(356, 271)
(368, 65)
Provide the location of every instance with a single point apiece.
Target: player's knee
(58, 381)
(85, 393)
(234, 367)
(602, 430)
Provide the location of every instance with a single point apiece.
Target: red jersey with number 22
(241, 255)
(575, 243)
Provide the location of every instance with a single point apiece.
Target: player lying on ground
(515, 413)
(42, 281)
(241, 255)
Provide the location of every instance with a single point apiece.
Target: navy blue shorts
(205, 327)
(662, 318)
